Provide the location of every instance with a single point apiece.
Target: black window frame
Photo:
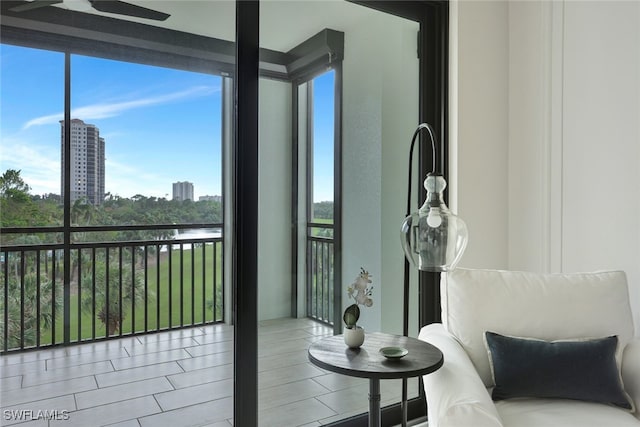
(324, 52)
(433, 91)
(209, 55)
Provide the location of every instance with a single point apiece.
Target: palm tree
(217, 310)
(119, 286)
(47, 306)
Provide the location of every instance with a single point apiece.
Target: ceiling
(283, 24)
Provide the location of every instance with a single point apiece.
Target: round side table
(366, 362)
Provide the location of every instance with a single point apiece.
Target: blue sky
(323, 128)
(160, 125)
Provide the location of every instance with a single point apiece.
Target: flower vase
(354, 337)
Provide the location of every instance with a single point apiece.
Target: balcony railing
(320, 272)
(57, 293)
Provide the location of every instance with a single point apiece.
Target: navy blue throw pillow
(581, 370)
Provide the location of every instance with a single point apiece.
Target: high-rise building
(182, 190)
(87, 162)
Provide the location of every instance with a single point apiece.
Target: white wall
(399, 121)
(380, 113)
(601, 140)
(379, 117)
(544, 131)
(572, 153)
(529, 118)
(479, 129)
(274, 217)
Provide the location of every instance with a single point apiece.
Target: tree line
(33, 285)
(35, 280)
(19, 208)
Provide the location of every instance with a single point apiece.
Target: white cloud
(41, 169)
(39, 166)
(101, 111)
(127, 181)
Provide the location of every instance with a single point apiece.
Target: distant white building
(182, 190)
(87, 162)
(210, 198)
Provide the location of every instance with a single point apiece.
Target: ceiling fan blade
(36, 4)
(123, 8)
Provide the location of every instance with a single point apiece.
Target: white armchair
(543, 309)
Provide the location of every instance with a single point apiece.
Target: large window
(32, 82)
(145, 142)
(321, 207)
(161, 132)
(322, 146)
(105, 270)
(142, 249)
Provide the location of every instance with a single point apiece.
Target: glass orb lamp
(433, 238)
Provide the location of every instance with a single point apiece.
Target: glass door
(321, 209)
(352, 109)
(119, 128)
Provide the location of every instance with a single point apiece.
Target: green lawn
(322, 232)
(159, 292)
(323, 220)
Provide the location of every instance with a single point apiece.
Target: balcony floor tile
(194, 415)
(91, 355)
(138, 374)
(294, 414)
(205, 349)
(47, 391)
(210, 360)
(10, 383)
(149, 359)
(196, 394)
(57, 403)
(183, 377)
(22, 368)
(118, 393)
(154, 347)
(202, 376)
(287, 393)
(111, 413)
(60, 374)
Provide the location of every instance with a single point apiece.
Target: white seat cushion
(562, 413)
(548, 307)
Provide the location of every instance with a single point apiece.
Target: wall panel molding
(555, 30)
(535, 135)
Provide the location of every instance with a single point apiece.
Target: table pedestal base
(374, 402)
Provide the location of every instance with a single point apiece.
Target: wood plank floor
(180, 378)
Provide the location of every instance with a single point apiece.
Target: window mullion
(67, 201)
